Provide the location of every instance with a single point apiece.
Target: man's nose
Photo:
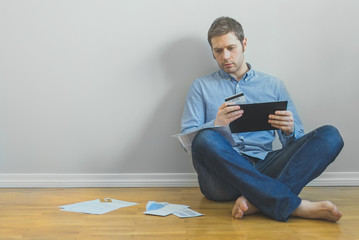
(226, 54)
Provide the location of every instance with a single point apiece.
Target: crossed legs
(226, 175)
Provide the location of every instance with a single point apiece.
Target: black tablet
(255, 116)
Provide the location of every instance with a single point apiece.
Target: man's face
(228, 52)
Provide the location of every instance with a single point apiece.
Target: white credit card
(236, 99)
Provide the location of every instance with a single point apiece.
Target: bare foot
(319, 210)
(243, 207)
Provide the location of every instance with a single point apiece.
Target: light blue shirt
(207, 94)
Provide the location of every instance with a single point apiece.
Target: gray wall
(98, 86)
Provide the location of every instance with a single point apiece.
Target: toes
(239, 215)
(236, 211)
(239, 208)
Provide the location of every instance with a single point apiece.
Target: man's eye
(218, 50)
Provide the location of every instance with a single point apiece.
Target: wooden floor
(34, 214)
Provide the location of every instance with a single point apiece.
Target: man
(254, 175)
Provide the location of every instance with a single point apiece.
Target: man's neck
(241, 71)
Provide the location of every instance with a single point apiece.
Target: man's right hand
(227, 114)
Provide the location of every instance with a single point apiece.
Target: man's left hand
(282, 120)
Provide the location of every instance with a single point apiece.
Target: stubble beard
(230, 70)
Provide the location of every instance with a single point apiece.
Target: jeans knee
(334, 135)
(203, 140)
(331, 134)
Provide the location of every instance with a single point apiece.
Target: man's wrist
(289, 133)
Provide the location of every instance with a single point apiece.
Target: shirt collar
(247, 76)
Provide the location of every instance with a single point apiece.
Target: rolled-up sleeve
(298, 126)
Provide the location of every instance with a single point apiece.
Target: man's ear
(244, 44)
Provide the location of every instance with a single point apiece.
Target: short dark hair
(224, 25)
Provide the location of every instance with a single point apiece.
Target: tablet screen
(255, 116)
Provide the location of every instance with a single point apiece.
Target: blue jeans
(272, 184)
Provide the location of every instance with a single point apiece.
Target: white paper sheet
(96, 206)
(187, 213)
(186, 138)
